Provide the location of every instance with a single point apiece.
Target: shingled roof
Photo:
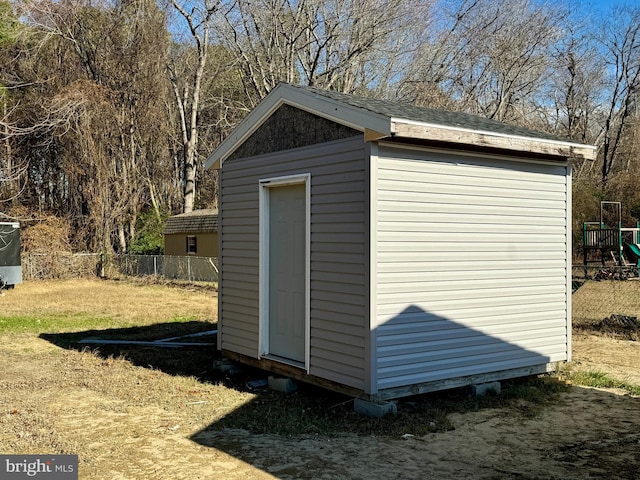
(197, 221)
(406, 111)
(381, 120)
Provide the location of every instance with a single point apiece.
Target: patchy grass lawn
(137, 412)
(83, 304)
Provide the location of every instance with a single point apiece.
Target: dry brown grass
(605, 329)
(117, 408)
(115, 303)
(108, 411)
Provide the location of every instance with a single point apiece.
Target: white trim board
(264, 209)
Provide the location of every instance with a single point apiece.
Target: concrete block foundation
(284, 385)
(482, 389)
(371, 409)
(226, 366)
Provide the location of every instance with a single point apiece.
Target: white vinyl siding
(471, 265)
(337, 272)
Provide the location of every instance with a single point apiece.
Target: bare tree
(490, 58)
(347, 45)
(110, 95)
(340, 44)
(573, 95)
(14, 168)
(11, 172)
(621, 41)
(188, 89)
(578, 79)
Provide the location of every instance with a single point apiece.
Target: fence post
(189, 267)
(155, 265)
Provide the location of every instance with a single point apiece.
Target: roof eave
(494, 140)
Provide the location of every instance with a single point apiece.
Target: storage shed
(193, 233)
(383, 250)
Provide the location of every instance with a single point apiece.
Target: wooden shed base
(297, 373)
(417, 389)
(293, 372)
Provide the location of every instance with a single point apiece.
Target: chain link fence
(605, 295)
(600, 292)
(59, 265)
(189, 268)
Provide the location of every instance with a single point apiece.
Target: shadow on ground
(558, 438)
(196, 360)
(293, 435)
(309, 410)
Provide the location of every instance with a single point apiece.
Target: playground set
(611, 240)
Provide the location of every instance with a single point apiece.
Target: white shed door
(287, 250)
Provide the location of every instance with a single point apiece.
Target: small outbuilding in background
(384, 250)
(193, 233)
(10, 263)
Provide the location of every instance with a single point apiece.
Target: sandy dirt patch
(159, 428)
(618, 358)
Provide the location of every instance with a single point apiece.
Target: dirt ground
(128, 421)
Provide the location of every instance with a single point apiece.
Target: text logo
(49, 467)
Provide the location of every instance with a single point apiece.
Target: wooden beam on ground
(147, 343)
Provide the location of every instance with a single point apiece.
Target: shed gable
(289, 127)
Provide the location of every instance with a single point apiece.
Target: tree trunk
(189, 176)
(189, 105)
(122, 238)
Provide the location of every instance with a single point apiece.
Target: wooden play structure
(609, 239)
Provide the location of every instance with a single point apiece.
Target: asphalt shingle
(432, 116)
(197, 221)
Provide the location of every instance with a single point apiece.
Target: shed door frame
(264, 210)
